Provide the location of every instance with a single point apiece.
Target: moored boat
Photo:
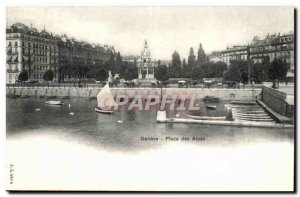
(54, 102)
(211, 99)
(207, 117)
(65, 97)
(213, 107)
(243, 102)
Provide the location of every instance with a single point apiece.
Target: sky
(166, 29)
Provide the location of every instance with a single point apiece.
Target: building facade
(77, 53)
(30, 50)
(274, 46)
(271, 47)
(38, 51)
(146, 65)
(234, 53)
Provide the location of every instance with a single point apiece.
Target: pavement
(289, 88)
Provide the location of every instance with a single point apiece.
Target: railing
(90, 85)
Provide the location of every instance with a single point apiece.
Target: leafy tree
(161, 74)
(101, 75)
(118, 64)
(277, 71)
(185, 69)
(23, 76)
(242, 67)
(218, 69)
(233, 73)
(111, 64)
(258, 72)
(131, 72)
(191, 60)
(207, 69)
(48, 75)
(201, 59)
(175, 67)
(197, 73)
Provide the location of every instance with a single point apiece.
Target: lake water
(219, 158)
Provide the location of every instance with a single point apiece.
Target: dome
(20, 26)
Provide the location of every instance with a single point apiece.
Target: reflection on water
(122, 131)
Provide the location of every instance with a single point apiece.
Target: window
(16, 44)
(23, 44)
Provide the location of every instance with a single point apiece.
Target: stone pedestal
(161, 116)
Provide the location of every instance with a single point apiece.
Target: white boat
(105, 101)
(213, 107)
(54, 102)
(207, 117)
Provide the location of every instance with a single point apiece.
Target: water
(253, 149)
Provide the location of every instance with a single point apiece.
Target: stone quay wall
(276, 100)
(225, 94)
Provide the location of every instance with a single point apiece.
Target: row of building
(271, 47)
(38, 51)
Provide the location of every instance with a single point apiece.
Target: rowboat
(25, 96)
(103, 111)
(207, 117)
(54, 102)
(14, 96)
(243, 102)
(213, 107)
(65, 97)
(212, 99)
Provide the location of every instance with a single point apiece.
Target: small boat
(105, 101)
(211, 99)
(207, 117)
(54, 102)
(25, 96)
(65, 97)
(50, 97)
(93, 98)
(243, 102)
(42, 96)
(14, 96)
(37, 109)
(213, 107)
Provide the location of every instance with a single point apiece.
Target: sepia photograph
(150, 98)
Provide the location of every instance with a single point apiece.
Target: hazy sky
(166, 28)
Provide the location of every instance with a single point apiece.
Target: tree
(191, 60)
(23, 76)
(197, 73)
(277, 71)
(118, 64)
(242, 67)
(258, 72)
(201, 59)
(175, 67)
(131, 72)
(48, 75)
(233, 73)
(161, 74)
(218, 69)
(185, 69)
(101, 75)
